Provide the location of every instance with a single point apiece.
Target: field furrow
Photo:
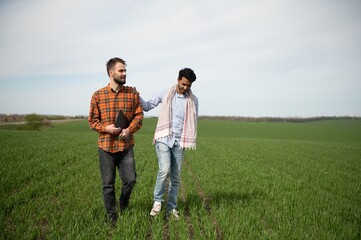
(186, 215)
(206, 200)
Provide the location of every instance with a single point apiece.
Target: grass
(244, 181)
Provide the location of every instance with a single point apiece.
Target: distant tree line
(276, 119)
(31, 121)
(36, 119)
(9, 118)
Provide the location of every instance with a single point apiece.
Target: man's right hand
(112, 129)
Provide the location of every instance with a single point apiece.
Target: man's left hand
(125, 134)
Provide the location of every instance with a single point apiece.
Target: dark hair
(188, 74)
(111, 63)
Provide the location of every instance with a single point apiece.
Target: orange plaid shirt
(104, 107)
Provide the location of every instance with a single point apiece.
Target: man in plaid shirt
(115, 145)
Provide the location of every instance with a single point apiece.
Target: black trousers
(125, 163)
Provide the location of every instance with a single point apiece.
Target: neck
(115, 86)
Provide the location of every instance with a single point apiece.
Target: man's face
(183, 85)
(119, 73)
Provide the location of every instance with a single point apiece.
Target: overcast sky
(277, 58)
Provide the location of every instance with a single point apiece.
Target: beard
(120, 81)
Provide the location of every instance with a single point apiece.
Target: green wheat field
(244, 181)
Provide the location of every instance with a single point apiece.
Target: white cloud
(262, 56)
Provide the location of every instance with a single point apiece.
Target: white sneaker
(157, 206)
(175, 214)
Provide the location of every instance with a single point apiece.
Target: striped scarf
(164, 125)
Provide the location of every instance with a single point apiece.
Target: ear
(111, 71)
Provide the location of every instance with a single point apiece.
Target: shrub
(34, 122)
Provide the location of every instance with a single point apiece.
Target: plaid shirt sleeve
(104, 107)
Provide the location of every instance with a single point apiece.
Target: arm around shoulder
(138, 115)
(152, 102)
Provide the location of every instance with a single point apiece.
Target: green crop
(244, 181)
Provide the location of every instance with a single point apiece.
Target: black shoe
(112, 219)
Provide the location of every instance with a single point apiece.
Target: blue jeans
(125, 163)
(169, 164)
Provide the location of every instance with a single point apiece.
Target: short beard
(119, 81)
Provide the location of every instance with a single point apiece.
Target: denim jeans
(169, 164)
(125, 163)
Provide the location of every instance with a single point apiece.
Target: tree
(34, 122)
